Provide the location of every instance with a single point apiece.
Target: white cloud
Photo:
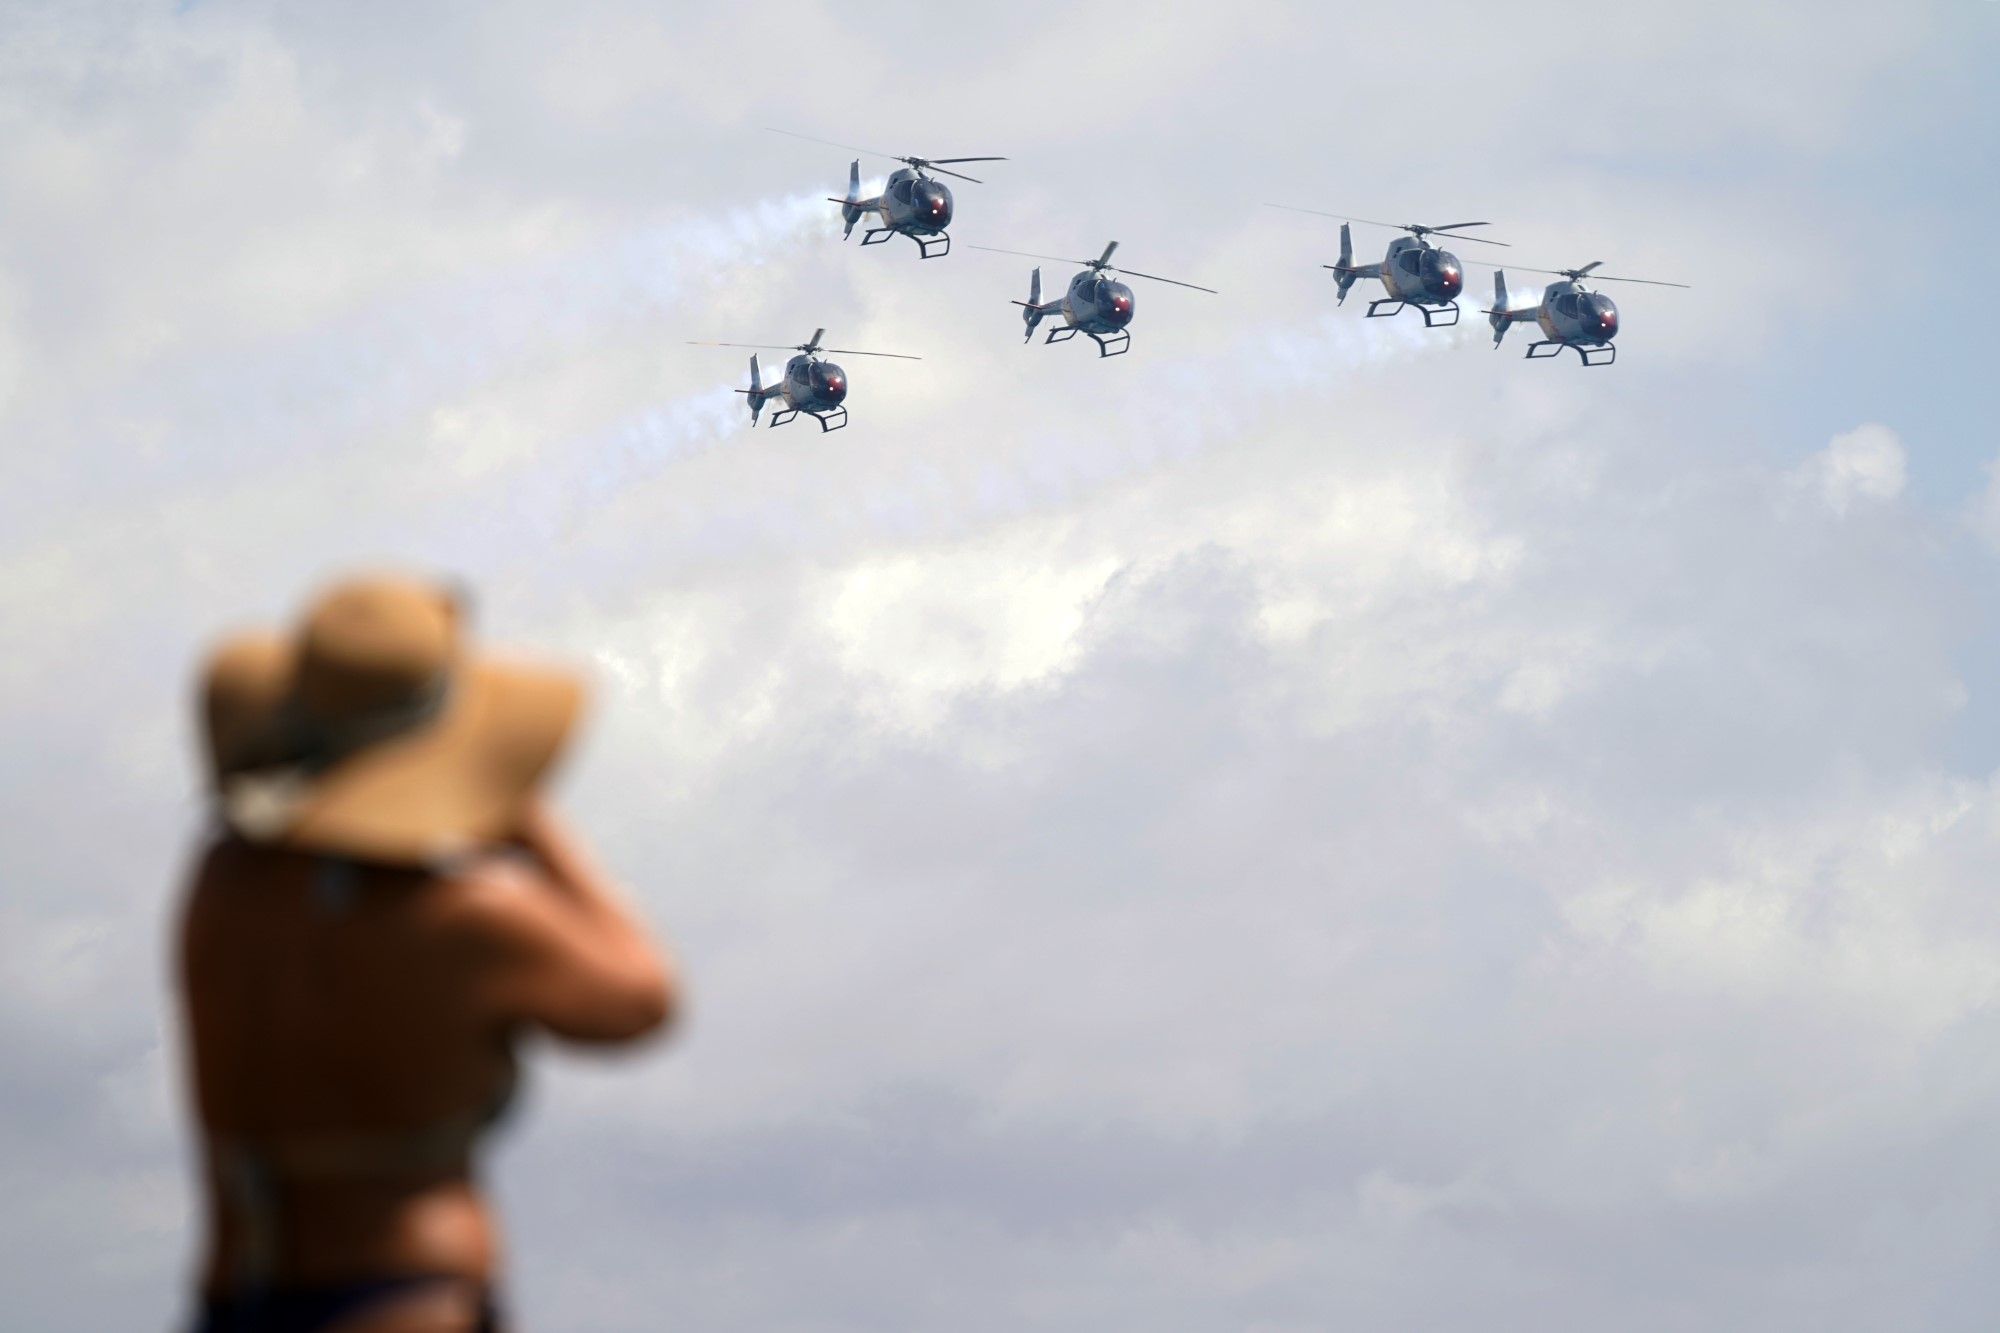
(1212, 838)
(1983, 512)
(1867, 465)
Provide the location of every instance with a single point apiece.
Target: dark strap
(303, 1309)
(246, 1178)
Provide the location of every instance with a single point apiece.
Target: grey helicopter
(810, 385)
(911, 204)
(1413, 272)
(1568, 315)
(1096, 306)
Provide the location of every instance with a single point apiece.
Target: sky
(1316, 823)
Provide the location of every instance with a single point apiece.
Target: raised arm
(563, 951)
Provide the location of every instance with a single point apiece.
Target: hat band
(264, 803)
(320, 743)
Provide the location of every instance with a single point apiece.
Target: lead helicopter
(1413, 272)
(1098, 307)
(912, 204)
(809, 385)
(1569, 314)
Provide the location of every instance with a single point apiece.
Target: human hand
(543, 834)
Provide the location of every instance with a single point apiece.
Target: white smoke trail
(1186, 406)
(1176, 410)
(237, 412)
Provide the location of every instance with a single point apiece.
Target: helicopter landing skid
(1603, 355)
(1116, 344)
(833, 420)
(928, 247)
(1433, 315)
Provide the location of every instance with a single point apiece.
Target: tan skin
(395, 1012)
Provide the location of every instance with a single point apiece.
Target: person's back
(351, 1021)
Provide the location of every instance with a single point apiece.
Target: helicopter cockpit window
(1566, 304)
(1412, 261)
(903, 189)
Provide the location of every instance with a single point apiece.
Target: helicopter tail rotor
(1031, 309)
(850, 208)
(755, 392)
(1503, 316)
(1343, 272)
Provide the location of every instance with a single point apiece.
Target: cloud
(1212, 838)
(1866, 465)
(1983, 512)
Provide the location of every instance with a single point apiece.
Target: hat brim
(457, 782)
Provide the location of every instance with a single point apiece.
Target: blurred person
(386, 904)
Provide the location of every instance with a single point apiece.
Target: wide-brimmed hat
(371, 731)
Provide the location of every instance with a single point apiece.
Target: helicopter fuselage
(1098, 304)
(1420, 273)
(1412, 271)
(812, 385)
(1571, 313)
(913, 203)
(1095, 304)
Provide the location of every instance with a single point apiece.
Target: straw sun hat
(372, 732)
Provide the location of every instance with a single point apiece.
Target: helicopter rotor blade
(922, 165)
(1338, 217)
(1650, 282)
(872, 152)
(1412, 227)
(1105, 258)
(933, 161)
(1575, 275)
(1091, 263)
(849, 351)
(1579, 274)
(1519, 268)
(1154, 277)
(1027, 254)
(754, 347)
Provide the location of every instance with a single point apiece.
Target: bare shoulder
(225, 878)
(556, 956)
(222, 862)
(495, 900)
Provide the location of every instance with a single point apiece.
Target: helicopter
(1414, 272)
(1569, 314)
(810, 385)
(912, 204)
(1096, 306)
